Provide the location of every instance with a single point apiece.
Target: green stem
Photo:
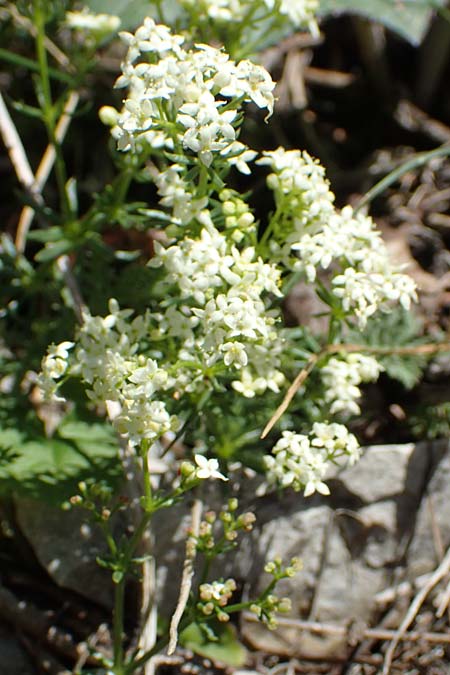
(46, 103)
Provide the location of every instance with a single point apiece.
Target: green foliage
(51, 468)
(431, 421)
(224, 647)
(132, 12)
(396, 330)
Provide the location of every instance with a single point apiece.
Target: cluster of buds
(266, 609)
(276, 569)
(238, 216)
(212, 544)
(98, 499)
(269, 604)
(214, 597)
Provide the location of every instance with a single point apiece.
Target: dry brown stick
(45, 167)
(320, 628)
(444, 602)
(441, 571)
(188, 573)
(15, 149)
(87, 647)
(293, 389)
(35, 184)
(347, 348)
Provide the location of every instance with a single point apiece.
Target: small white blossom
(342, 376)
(207, 468)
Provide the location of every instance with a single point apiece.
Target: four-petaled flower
(207, 468)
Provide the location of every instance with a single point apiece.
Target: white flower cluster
(342, 376)
(229, 321)
(193, 96)
(322, 237)
(54, 365)
(107, 360)
(97, 24)
(299, 12)
(302, 194)
(368, 281)
(301, 461)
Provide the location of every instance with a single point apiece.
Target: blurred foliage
(431, 421)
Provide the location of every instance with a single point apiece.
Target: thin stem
(46, 103)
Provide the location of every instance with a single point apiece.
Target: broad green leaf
(50, 468)
(226, 649)
(408, 18)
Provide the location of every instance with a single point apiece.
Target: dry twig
(188, 572)
(320, 628)
(15, 149)
(44, 169)
(346, 348)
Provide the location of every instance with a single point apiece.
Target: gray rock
(433, 518)
(67, 547)
(383, 472)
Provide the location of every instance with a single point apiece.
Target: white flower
(98, 24)
(300, 12)
(301, 461)
(239, 155)
(207, 468)
(342, 376)
(235, 354)
(55, 363)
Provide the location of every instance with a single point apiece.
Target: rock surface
(67, 547)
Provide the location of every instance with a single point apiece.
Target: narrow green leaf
(52, 251)
(18, 60)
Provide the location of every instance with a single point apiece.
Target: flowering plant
(203, 363)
